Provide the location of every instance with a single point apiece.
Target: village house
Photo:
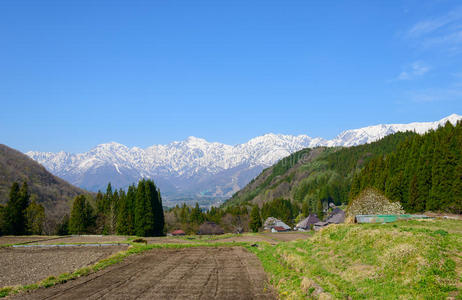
(307, 223)
(271, 223)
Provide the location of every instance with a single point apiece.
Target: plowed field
(189, 273)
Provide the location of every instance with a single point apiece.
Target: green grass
(116, 258)
(403, 260)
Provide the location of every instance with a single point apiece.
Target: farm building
(306, 223)
(210, 228)
(178, 232)
(387, 218)
(271, 222)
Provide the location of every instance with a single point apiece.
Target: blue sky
(74, 74)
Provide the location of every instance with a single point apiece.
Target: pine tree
(255, 219)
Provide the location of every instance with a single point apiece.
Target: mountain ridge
(191, 168)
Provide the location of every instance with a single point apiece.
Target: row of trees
(138, 212)
(424, 173)
(21, 214)
(187, 218)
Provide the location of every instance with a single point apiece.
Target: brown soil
(87, 239)
(287, 236)
(190, 273)
(24, 239)
(19, 266)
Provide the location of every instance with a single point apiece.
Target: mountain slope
(196, 169)
(54, 193)
(313, 176)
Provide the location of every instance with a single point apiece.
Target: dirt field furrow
(190, 273)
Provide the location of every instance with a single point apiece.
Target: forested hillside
(312, 177)
(52, 192)
(424, 173)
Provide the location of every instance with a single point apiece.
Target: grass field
(403, 260)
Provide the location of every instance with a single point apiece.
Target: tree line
(138, 212)
(189, 218)
(423, 173)
(21, 214)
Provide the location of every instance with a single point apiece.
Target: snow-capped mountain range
(196, 169)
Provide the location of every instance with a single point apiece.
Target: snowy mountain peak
(195, 166)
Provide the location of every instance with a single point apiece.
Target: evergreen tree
(15, 220)
(35, 217)
(81, 216)
(130, 202)
(155, 201)
(123, 216)
(143, 210)
(197, 216)
(255, 219)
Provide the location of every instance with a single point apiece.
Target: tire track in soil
(189, 273)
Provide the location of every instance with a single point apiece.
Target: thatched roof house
(306, 223)
(210, 228)
(271, 222)
(337, 216)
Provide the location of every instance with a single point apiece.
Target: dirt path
(190, 273)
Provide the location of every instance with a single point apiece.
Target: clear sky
(74, 74)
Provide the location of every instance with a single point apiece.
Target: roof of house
(305, 223)
(273, 222)
(178, 231)
(279, 228)
(337, 216)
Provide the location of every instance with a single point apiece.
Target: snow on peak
(197, 158)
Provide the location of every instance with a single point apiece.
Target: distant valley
(195, 170)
